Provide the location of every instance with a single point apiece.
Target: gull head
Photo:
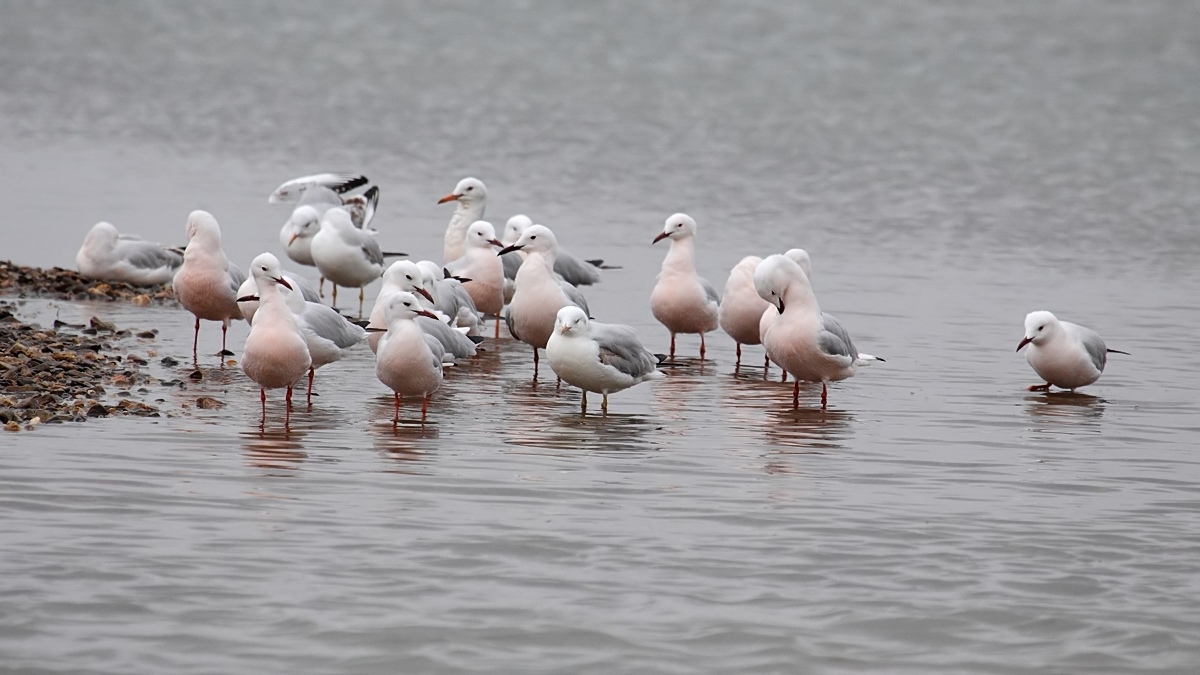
(305, 222)
(481, 234)
(203, 229)
(406, 276)
(404, 306)
(337, 218)
(1039, 327)
(515, 227)
(468, 191)
(571, 322)
(678, 226)
(535, 239)
(102, 235)
(773, 276)
(266, 271)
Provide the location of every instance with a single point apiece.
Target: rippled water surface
(949, 167)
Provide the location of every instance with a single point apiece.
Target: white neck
(456, 232)
(681, 257)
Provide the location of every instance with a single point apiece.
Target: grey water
(949, 166)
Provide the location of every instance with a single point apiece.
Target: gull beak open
(425, 312)
(283, 282)
(424, 293)
(449, 198)
(1024, 342)
(660, 237)
(509, 249)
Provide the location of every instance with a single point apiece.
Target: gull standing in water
(404, 275)
(575, 271)
(471, 195)
(801, 258)
(1062, 353)
(111, 256)
(483, 269)
(683, 301)
(275, 355)
(405, 363)
(345, 255)
(598, 357)
(317, 194)
(741, 309)
(807, 343)
(539, 292)
(206, 284)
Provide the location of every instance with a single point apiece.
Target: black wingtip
(352, 182)
(394, 254)
(361, 323)
(881, 359)
(475, 338)
(1118, 351)
(662, 358)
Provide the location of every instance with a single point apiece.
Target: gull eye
(533, 237)
(470, 187)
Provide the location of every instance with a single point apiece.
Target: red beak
(294, 238)
(1023, 343)
(283, 282)
(496, 242)
(449, 198)
(424, 293)
(660, 237)
(425, 312)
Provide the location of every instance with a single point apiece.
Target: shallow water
(950, 168)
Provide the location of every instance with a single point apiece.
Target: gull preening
(108, 255)
(405, 363)
(810, 345)
(539, 292)
(741, 308)
(207, 283)
(1062, 353)
(346, 255)
(801, 258)
(471, 195)
(682, 300)
(598, 357)
(275, 355)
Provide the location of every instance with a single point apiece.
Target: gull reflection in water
(549, 419)
(1064, 409)
(278, 450)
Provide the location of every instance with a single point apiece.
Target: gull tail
(396, 254)
(599, 264)
(1118, 351)
(866, 358)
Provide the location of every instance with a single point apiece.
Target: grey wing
(508, 321)
(456, 266)
(834, 339)
(575, 296)
(512, 263)
(236, 278)
(575, 271)
(621, 349)
(301, 284)
(326, 322)
(439, 353)
(1095, 347)
(709, 291)
(321, 188)
(462, 298)
(364, 241)
(451, 340)
(145, 255)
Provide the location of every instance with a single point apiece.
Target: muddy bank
(56, 282)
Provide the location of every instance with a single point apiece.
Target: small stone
(168, 361)
(12, 426)
(209, 403)
(148, 334)
(97, 410)
(197, 375)
(141, 300)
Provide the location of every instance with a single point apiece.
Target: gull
(1062, 353)
(111, 256)
(275, 355)
(483, 269)
(405, 362)
(450, 297)
(539, 292)
(598, 357)
(404, 275)
(346, 255)
(741, 309)
(807, 343)
(575, 271)
(248, 302)
(683, 301)
(471, 195)
(801, 258)
(206, 284)
(317, 194)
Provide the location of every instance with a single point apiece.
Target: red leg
(195, 339)
(583, 403)
(424, 407)
(796, 395)
(360, 301)
(397, 399)
(224, 334)
(1040, 387)
(783, 375)
(310, 379)
(321, 287)
(334, 294)
(824, 395)
(497, 327)
(263, 395)
(289, 399)
(672, 342)
(739, 355)
(535, 363)
(702, 346)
